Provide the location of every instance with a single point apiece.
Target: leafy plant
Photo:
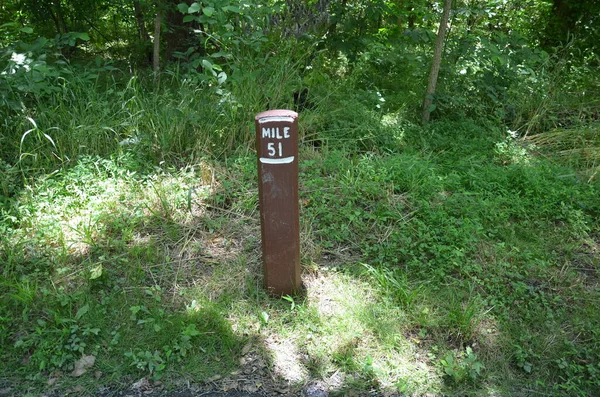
(463, 366)
(152, 362)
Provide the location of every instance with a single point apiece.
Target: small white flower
(19, 59)
(130, 141)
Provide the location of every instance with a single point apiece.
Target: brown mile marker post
(277, 149)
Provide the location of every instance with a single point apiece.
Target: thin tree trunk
(139, 17)
(61, 18)
(95, 28)
(177, 37)
(339, 13)
(156, 56)
(437, 59)
(55, 19)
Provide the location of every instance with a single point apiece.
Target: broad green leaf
(82, 311)
(220, 54)
(191, 330)
(195, 7)
(196, 63)
(134, 310)
(264, 316)
(96, 272)
(189, 18)
(26, 30)
(183, 8)
(232, 9)
(222, 77)
(208, 11)
(210, 67)
(431, 108)
(82, 36)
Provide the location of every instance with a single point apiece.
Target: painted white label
(272, 151)
(284, 160)
(263, 120)
(276, 133)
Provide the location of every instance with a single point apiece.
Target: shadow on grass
(158, 276)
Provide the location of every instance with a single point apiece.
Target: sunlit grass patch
(342, 335)
(424, 274)
(111, 253)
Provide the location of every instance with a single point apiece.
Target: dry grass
(578, 146)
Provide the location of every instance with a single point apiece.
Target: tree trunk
(437, 59)
(339, 14)
(561, 22)
(55, 19)
(60, 18)
(156, 55)
(139, 17)
(177, 34)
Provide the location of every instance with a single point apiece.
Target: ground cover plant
(454, 257)
(435, 269)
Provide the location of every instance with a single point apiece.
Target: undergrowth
(453, 259)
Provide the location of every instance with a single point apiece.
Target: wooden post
(277, 150)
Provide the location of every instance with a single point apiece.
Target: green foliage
(445, 218)
(489, 68)
(567, 20)
(231, 30)
(54, 337)
(462, 367)
(148, 362)
(458, 247)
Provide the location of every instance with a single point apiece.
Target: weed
(441, 259)
(463, 366)
(148, 361)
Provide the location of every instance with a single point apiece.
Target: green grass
(426, 271)
(451, 259)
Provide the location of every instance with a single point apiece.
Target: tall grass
(578, 146)
(105, 116)
(447, 259)
(556, 94)
(90, 110)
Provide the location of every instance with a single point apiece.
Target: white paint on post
(263, 120)
(284, 160)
